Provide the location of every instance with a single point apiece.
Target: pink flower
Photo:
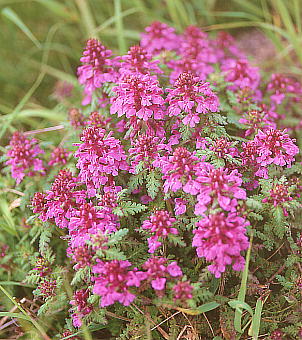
(98, 157)
(180, 171)
(240, 74)
(220, 238)
(218, 185)
(159, 37)
(190, 98)
(226, 46)
(62, 199)
(139, 96)
(98, 120)
(180, 206)
(76, 118)
(279, 194)
(59, 156)
(81, 255)
(138, 60)
(89, 221)
(282, 86)
(160, 225)
(39, 205)
(145, 148)
(255, 120)
(275, 146)
(224, 148)
(82, 307)
(158, 271)
(196, 55)
(96, 68)
(114, 280)
(183, 291)
(22, 157)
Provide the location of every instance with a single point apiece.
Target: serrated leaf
(129, 208)
(153, 183)
(117, 236)
(253, 203)
(114, 254)
(45, 240)
(80, 275)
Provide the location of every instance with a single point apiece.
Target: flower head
(96, 68)
(59, 156)
(275, 147)
(113, 280)
(138, 60)
(160, 224)
(159, 37)
(218, 185)
(76, 118)
(220, 238)
(158, 271)
(138, 95)
(22, 157)
(182, 291)
(255, 120)
(278, 195)
(62, 200)
(240, 74)
(282, 86)
(179, 171)
(82, 307)
(190, 97)
(145, 148)
(99, 156)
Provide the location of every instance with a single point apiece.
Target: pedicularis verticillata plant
(182, 151)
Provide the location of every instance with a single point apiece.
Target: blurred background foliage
(41, 41)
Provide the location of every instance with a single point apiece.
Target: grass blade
(13, 17)
(59, 9)
(242, 291)
(87, 18)
(255, 326)
(119, 26)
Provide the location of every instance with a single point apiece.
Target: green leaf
(45, 240)
(117, 236)
(129, 208)
(239, 305)
(201, 309)
(7, 222)
(256, 320)
(208, 306)
(153, 183)
(80, 275)
(114, 254)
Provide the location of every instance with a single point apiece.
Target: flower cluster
(220, 239)
(190, 97)
(99, 156)
(97, 68)
(61, 201)
(160, 225)
(114, 280)
(138, 95)
(22, 157)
